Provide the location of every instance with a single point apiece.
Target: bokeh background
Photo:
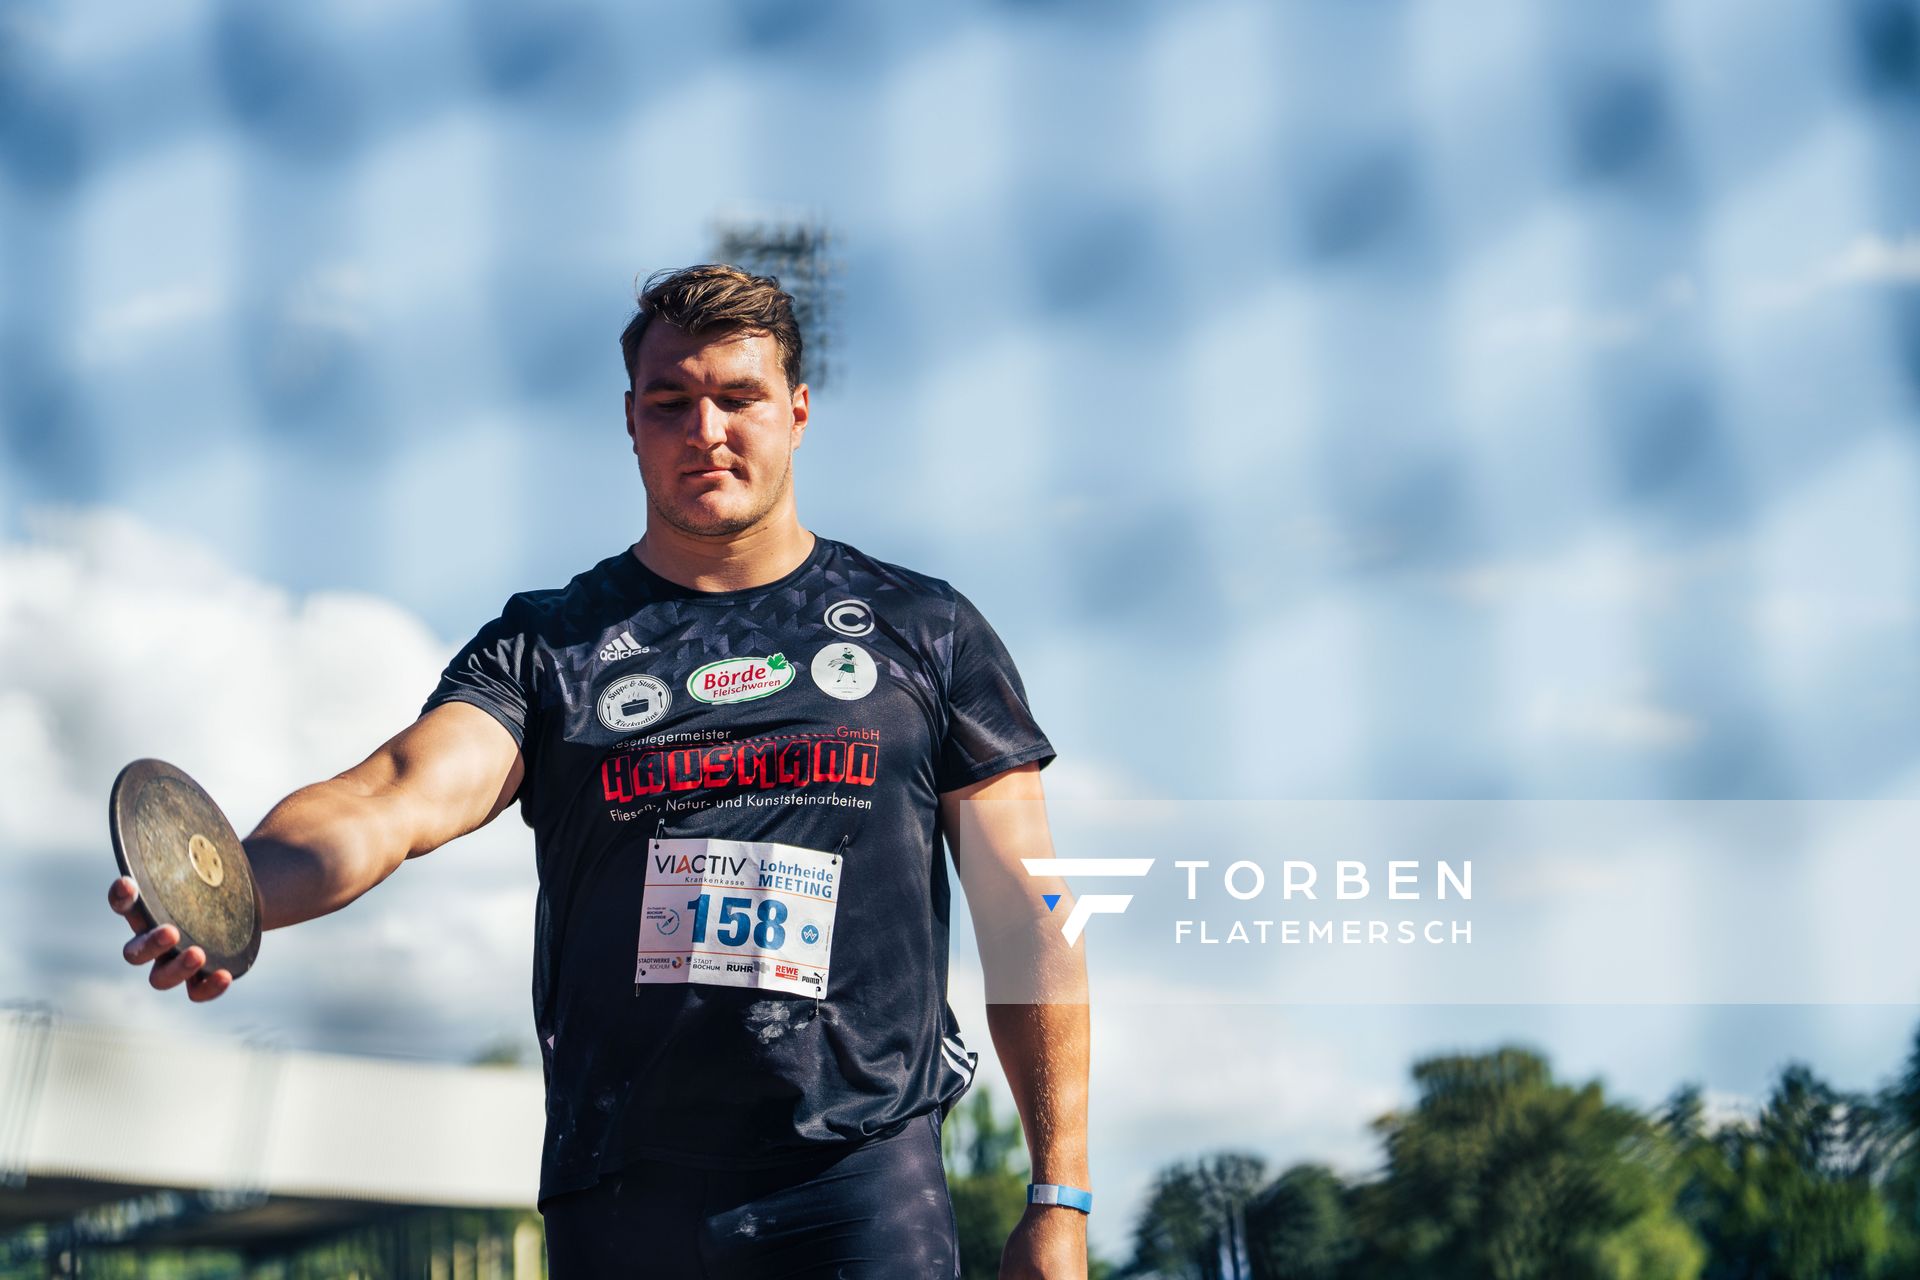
(1528, 393)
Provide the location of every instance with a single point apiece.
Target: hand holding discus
(186, 888)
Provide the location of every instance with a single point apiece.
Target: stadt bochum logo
(1092, 904)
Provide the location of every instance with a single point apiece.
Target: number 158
(736, 921)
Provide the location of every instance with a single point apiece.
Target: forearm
(1045, 1050)
(322, 847)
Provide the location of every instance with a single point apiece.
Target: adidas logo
(622, 646)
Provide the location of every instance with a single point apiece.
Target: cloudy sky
(1327, 403)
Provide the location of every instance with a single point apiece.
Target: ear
(630, 427)
(802, 409)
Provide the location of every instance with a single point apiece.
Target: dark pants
(880, 1209)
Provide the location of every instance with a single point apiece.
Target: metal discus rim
(214, 856)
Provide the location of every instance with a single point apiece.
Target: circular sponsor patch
(850, 617)
(633, 702)
(844, 670)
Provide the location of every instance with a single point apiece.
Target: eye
(668, 406)
(735, 402)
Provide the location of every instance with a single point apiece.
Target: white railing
(251, 1121)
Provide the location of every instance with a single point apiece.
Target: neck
(732, 562)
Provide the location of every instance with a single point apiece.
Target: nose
(709, 423)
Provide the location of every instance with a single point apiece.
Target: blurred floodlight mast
(798, 251)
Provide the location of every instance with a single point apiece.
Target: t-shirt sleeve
(990, 728)
(495, 672)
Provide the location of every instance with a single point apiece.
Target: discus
(186, 863)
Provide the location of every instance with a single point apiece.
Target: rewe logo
(1092, 904)
(622, 646)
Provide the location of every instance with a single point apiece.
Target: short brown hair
(716, 298)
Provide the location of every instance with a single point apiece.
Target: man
(738, 745)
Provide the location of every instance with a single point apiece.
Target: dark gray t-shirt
(826, 712)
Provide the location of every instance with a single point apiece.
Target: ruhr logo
(1092, 904)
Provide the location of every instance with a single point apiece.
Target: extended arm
(1036, 1001)
(450, 772)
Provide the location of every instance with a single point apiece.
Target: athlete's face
(714, 425)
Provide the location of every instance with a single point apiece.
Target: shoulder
(551, 611)
(918, 608)
(882, 578)
(928, 613)
(919, 604)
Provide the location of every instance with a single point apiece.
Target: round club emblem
(850, 617)
(844, 670)
(633, 702)
(810, 934)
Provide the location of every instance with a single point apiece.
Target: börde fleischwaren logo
(740, 679)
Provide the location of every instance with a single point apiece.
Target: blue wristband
(1054, 1193)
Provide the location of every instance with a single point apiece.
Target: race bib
(738, 914)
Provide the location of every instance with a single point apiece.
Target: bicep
(1025, 958)
(992, 825)
(450, 772)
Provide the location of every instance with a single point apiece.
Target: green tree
(1789, 1195)
(1501, 1173)
(506, 1051)
(1899, 1110)
(987, 1170)
(1194, 1223)
(1300, 1227)
(986, 1175)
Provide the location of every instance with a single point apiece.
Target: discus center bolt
(206, 861)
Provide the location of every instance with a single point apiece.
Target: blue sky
(1529, 401)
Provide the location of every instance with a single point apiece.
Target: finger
(208, 984)
(172, 973)
(151, 945)
(122, 894)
